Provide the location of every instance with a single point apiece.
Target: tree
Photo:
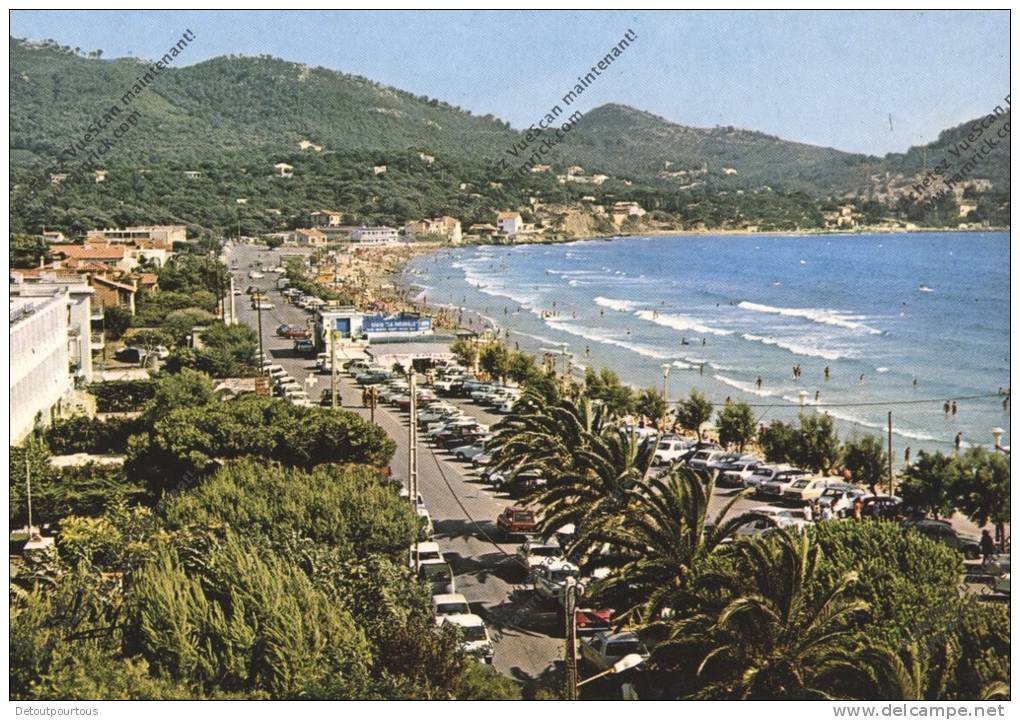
(149, 340)
(188, 388)
(778, 441)
(928, 484)
(694, 412)
(494, 360)
(178, 324)
(816, 445)
(606, 387)
(521, 367)
(866, 460)
(981, 489)
(650, 404)
(27, 250)
(652, 551)
(116, 321)
(736, 424)
(776, 635)
(465, 351)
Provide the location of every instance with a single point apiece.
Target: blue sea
(903, 322)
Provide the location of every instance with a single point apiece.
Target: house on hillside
(326, 218)
(510, 224)
(105, 255)
(445, 227)
(311, 237)
(284, 170)
(379, 235)
(114, 293)
(378, 169)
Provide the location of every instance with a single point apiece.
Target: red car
(516, 520)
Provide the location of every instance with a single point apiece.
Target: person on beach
(958, 442)
(945, 407)
(953, 408)
(915, 383)
(758, 382)
(860, 380)
(826, 372)
(701, 369)
(817, 394)
(906, 455)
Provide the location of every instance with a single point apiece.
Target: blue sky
(826, 78)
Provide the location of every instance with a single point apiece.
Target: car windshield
(523, 517)
(452, 608)
(625, 647)
(545, 550)
(429, 555)
(801, 484)
(436, 572)
(474, 634)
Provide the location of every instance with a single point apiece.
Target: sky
(870, 82)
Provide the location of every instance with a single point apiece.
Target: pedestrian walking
(817, 394)
(906, 455)
(953, 408)
(945, 407)
(858, 509)
(758, 382)
(987, 547)
(826, 372)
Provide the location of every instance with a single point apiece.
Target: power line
(876, 403)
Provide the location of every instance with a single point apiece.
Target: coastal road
(527, 640)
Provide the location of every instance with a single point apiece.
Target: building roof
(103, 280)
(89, 252)
(311, 232)
(508, 216)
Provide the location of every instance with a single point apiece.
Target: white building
(509, 223)
(381, 235)
(51, 347)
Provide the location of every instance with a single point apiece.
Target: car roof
(448, 598)
(425, 546)
(464, 620)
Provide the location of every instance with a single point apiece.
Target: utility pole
(412, 449)
(332, 368)
(890, 455)
(258, 309)
(570, 621)
(233, 308)
(28, 486)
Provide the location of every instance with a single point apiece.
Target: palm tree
(657, 545)
(880, 673)
(775, 634)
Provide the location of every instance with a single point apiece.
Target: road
(527, 641)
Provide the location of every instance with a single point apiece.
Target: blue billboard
(407, 324)
(343, 325)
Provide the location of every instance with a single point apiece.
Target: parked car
(424, 552)
(305, 347)
(439, 576)
(776, 518)
(805, 489)
(481, 460)
(469, 452)
(882, 507)
(534, 552)
(604, 649)
(516, 520)
(291, 332)
(449, 604)
(670, 451)
(700, 459)
(550, 578)
(475, 640)
(841, 500)
(735, 474)
(134, 355)
(779, 483)
(941, 531)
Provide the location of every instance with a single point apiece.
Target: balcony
(98, 341)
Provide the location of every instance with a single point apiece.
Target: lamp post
(803, 399)
(665, 393)
(563, 350)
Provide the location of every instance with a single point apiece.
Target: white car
(780, 483)
(781, 517)
(469, 452)
(255, 275)
(550, 579)
(425, 551)
(533, 553)
(475, 640)
(264, 305)
(701, 459)
(763, 474)
(669, 451)
(449, 604)
(737, 474)
(603, 649)
(425, 519)
(405, 495)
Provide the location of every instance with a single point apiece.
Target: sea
(903, 322)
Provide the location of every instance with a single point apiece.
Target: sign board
(262, 386)
(343, 326)
(395, 324)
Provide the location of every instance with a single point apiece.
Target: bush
(83, 434)
(122, 395)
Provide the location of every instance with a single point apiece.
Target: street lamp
(997, 433)
(624, 663)
(803, 399)
(563, 350)
(665, 378)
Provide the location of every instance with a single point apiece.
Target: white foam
(597, 337)
(850, 418)
(882, 370)
(619, 305)
(826, 317)
(742, 386)
(681, 322)
(796, 348)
